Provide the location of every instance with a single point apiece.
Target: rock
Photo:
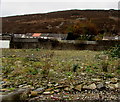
(57, 90)
(20, 86)
(85, 87)
(55, 98)
(13, 56)
(5, 79)
(71, 87)
(27, 86)
(107, 82)
(16, 96)
(56, 84)
(47, 93)
(2, 82)
(49, 89)
(65, 97)
(83, 74)
(62, 82)
(100, 86)
(49, 85)
(90, 87)
(24, 86)
(67, 89)
(103, 57)
(96, 79)
(34, 93)
(4, 90)
(113, 86)
(5, 85)
(78, 87)
(18, 63)
(61, 86)
(114, 80)
(39, 90)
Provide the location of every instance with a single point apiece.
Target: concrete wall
(24, 40)
(4, 43)
(62, 45)
(5, 38)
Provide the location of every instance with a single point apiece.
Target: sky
(22, 7)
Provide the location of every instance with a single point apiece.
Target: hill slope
(57, 22)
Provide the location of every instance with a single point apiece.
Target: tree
(70, 36)
(82, 28)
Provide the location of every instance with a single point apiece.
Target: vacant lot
(61, 75)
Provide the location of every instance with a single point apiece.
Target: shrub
(33, 71)
(99, 37)
(109, 75)
(118, 71)
(86, 37)
(68, 73)
(89, 69)
(104, 66)
(82, 28)
(114, 51)
(75, 67)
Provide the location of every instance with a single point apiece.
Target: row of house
(111, 38)
(42, 36)
(49, 36)
(5, 39)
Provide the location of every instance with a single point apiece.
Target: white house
(111, 38)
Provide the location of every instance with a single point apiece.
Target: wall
(4, 43)
(62, 45)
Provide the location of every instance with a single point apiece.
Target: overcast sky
(21, 7)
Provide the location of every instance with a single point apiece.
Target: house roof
(44, 35)
(57, 35)
(36, 34)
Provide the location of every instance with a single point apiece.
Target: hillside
(58, 22)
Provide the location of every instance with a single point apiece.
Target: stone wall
(62, 45)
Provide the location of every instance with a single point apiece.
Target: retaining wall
(62, 45)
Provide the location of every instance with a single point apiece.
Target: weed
(104, 66)
(46, 68)
(33, 71)
(75, 67)
(37, 49)
(26, 59)
(95, 67)
(109, 76)
(118, 71)
(68, 73)
(37, 64)
(89, 70)
(118, 67)
(114, 51)
(11, 89)
(7, 69)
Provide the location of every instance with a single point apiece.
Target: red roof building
(36, 35)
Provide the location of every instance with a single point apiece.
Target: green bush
(68, 73)
(114, 51)
(75, 67)
(32, 71)
(104, 66)
(89, 69)
(109, 75)
(118, 71)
